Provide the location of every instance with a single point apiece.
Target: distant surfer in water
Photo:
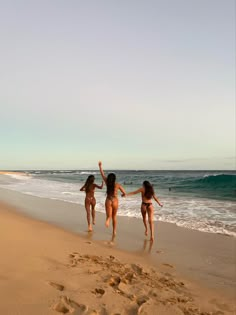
(90, 201)
(147, 208)
(112, 202)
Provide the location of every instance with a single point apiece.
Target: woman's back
(90, 190)
(144, 197)
(147, 191)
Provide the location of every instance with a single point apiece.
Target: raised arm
(122, 190)
(82, 188)
(135, 192)
(157, 200)
(101, 186)
(102, 172)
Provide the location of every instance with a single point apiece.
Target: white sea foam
(209, 175)
(205, 215)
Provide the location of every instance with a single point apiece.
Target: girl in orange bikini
(147, 193)
(111, 203)
(90, 201)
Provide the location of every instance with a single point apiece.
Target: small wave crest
(218, 180)
(88, 173)
(219, 185)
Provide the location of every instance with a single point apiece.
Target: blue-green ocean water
(201, 200)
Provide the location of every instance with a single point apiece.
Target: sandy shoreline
(206, 258)
(46, 270)
(64, 272)
(12, 173)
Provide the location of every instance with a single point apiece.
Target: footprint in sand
(168, 265)
(137, 269)
(125, 290)
(65, 305)
(99, 292)
(133, 309)
(128, 278)
(112, 258)
(113, 281)
(74, 255)
(57, 286)
(73, 259)
(141, 300)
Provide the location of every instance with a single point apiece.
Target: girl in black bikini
(148, 193)
(90, 201)
(111, 203)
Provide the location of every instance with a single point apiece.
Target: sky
(137, 84)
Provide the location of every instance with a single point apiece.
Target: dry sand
(46, 270)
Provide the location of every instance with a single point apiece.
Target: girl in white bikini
(90, 201)
(147, 193)
(111, 203)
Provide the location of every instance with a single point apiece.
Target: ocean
(200, 200)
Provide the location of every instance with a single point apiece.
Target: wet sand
(13, 173)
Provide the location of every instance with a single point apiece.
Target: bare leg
(144, 214)
(87, 207)
(150, 247)
(150, 221)
(144, 245)
(114, 212)
(108, 206)
(93, 210)
(113, 239)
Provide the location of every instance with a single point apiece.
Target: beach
(118, 165)
(51, 265)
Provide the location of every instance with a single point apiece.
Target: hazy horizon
(117, 169)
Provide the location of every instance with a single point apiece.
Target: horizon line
(123, 169)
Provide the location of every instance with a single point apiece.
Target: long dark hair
(111, 180)
(149, 191)
(89, 182)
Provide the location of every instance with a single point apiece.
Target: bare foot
(152, 239)
(93, 222)
(90, 228)
(146, 232)
(57, 286)
(107, 222)
(113, 238)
